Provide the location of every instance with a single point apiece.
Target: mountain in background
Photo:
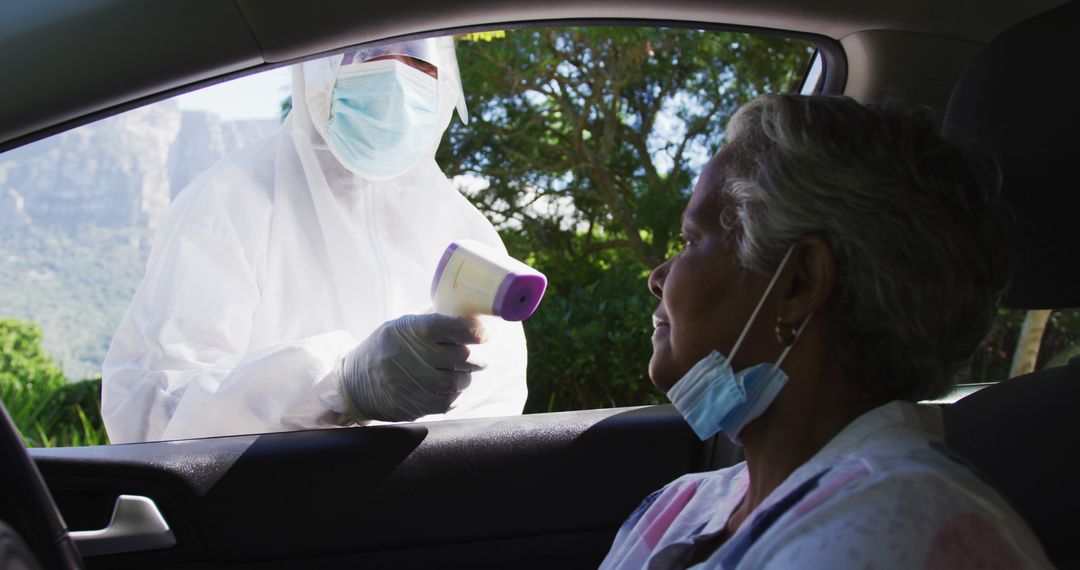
(78, 210)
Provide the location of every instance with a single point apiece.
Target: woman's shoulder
(905, 460)
(916, 507)
(925, 467)
(894, 443)
(921, 501)
(910, 454)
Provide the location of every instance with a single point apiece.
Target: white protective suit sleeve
(273, 265)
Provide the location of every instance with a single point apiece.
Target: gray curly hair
(915, 222)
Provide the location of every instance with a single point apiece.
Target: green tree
(605, 128)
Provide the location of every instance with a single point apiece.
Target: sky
(256, 96)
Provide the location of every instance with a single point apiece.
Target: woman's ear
(810, 281)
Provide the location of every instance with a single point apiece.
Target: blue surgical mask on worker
(382, 117)
(713, 398)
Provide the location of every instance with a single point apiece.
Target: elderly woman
(840, 263)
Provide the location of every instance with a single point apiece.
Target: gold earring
(789, 338)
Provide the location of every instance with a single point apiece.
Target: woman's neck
(810, 411)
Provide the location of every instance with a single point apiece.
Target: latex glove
(409, 367)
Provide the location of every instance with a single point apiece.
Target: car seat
(1018, 97)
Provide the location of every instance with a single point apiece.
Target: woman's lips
(659, 325)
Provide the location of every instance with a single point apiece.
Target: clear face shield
(438, 52)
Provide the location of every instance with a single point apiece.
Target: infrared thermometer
(476, 279)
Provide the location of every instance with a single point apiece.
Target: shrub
(589, 341)
(48, 410)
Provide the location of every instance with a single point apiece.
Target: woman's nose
(656, 279)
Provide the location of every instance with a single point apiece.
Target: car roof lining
(287, 33)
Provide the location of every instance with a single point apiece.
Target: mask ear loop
(761, 302)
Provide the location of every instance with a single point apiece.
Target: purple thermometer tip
(518, 296)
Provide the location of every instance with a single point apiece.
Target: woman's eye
(685, 239)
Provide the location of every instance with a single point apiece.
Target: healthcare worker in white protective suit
(288, 287)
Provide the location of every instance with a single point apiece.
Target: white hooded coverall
(275, 263)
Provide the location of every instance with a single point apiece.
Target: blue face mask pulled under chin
(714, 398)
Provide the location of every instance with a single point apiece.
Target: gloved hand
(409, 367)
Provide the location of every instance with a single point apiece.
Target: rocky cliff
(77, 211)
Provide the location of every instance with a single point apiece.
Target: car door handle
(136, 525)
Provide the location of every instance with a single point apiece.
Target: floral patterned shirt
(884, 493)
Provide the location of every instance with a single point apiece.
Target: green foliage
(609, 125)
(589, 341)
(48, 410)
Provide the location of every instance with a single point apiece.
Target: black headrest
(1019, 97)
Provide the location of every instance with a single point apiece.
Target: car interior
(537, 490)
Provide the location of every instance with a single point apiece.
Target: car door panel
(528, 490)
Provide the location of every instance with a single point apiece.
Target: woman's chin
(659, 373)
